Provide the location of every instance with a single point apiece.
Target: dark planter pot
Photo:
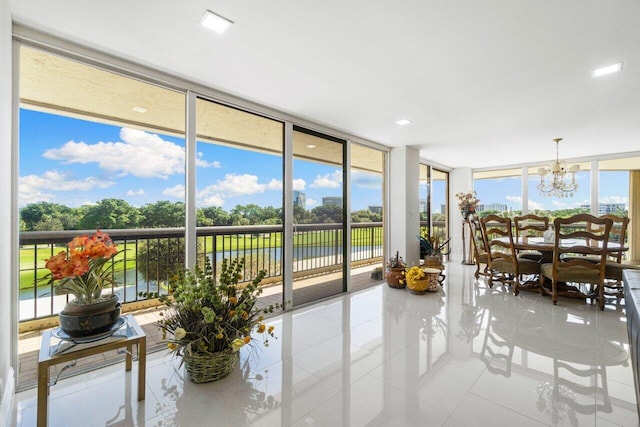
(80, 325)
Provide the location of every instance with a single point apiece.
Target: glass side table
(56, 349)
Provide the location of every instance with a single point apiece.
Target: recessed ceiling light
(311, 146)
(215, 22)
(402, 122)
(139, 109)
(615, 68)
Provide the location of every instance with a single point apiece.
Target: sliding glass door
(318, 216)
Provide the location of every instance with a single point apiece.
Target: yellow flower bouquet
(420, 280)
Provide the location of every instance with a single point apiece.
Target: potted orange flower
(84, 270)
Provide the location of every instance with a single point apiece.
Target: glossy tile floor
(464, 356)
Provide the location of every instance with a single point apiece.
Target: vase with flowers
(395, 271)
(84, 270)
(207, 321)
(468, 203)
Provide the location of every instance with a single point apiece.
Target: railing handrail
(63, 236)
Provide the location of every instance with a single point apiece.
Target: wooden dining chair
(480, 255)
(504, 264)
(572, 237)
(530, 225)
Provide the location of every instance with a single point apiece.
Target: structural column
(404, 204)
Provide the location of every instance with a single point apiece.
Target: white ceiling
(485, 83)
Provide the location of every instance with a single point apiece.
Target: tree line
(119, 214)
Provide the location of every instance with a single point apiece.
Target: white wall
(460, 181)
(6, 344)
(404, 204)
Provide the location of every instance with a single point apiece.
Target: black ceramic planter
(86, 325)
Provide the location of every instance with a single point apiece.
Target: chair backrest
(618, 233)
(582, 234)
(530, 225)
(498, 238)
(477, 241)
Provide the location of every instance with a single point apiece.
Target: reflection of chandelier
(558, 179)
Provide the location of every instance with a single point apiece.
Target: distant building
(607, 208)
(423, 205)
(499, 207)
(443, 208)
(375, 209)
(299, 199)
(332, 201)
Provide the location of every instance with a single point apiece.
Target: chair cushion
(525, 266)
(613, 270)
(578, 274)
(533, 255)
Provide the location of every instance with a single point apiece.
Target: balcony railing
(149, 257)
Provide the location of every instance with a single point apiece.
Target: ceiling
(484, 84)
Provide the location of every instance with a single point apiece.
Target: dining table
(546, 248)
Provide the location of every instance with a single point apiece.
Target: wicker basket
(207, 367)
(395, 277)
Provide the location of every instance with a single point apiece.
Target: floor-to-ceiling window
(499, 191)
(614, 195)
(434, 202)
(318, 215)
(97, 150)
(239, 190)
(367, 209)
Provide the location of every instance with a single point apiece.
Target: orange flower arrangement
(80, 270)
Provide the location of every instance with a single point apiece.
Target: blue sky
(75, 162)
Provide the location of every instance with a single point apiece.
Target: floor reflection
(465, 355)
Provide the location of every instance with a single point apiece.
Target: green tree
(35, 213)
(328, 214)
(213, 215)
(110, 214)
(163, 213)
(302, 216)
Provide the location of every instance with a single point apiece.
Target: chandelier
(558, 179)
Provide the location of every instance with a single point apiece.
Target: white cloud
(140, 154)
(138, 192)
(176, 192)
(37, 188)
(311, 202)
(213, 200)
(299, 184)
(236, 185)
(366, 180)
(332, 180)
(536, 205)
(274, 184)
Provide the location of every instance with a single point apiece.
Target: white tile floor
(467, 356)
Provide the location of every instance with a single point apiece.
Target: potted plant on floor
(434, 251)
(395, 271)
(207, 321)
(84, 270)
